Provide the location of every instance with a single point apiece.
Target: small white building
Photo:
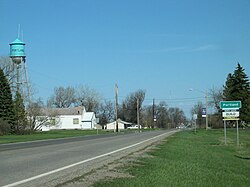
(68, 118)
(121, 125)
(89, 120)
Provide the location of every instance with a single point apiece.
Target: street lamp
(206, 96)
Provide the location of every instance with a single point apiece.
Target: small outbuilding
(89, 120)
(121, 125)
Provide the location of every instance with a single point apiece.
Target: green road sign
(230, 105)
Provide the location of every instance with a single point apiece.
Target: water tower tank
(17, 52)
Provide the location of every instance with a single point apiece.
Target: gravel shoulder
(99, 168)
(114, 168)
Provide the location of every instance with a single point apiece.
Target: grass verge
(193, 159)
(53, 134)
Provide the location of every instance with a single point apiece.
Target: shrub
(4, 127)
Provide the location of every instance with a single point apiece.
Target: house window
(75, 121)
(52, 121)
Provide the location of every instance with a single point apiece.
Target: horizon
(163, 47)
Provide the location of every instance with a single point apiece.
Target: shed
(88, 120)
(121, 125)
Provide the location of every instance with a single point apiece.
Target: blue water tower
(17, 51)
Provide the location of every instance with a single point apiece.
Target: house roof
(63, 111)
(124, 122)
(120, 121)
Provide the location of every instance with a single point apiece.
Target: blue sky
(162, 46)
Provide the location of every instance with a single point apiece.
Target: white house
(68, 118)
(121, 125)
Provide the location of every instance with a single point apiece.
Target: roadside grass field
(192, 159)
(53, 134)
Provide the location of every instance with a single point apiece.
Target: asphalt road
(49, 163)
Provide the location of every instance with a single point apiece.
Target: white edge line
(78, 163)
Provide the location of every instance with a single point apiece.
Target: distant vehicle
(181, 126)
(134, 127)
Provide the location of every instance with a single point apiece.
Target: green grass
(53, 134)
(189, 159)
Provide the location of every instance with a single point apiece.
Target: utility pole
(206, 111)
(154, 115)
(138, 115)
(206, 96)
(116, 106)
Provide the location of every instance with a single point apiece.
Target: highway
(52, 162)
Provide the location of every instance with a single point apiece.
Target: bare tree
(165, 117)
(89, 98)
(176, 116)
(106, 112)
(34, 110)
(62, 97)
(128, 109)
(217, 96)
(8, 67)
(10, 71)
(147, 116)
(38, 115)
(162, 115)
(197, 109)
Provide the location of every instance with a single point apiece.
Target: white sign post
(230, 112)
(195, 118)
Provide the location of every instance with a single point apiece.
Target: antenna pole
(22, 34)
(19, 28)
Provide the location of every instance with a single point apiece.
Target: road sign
(203, 113)
(154, 117)
(231, 118)
(230, 105)
(231, 114)
(195, 116)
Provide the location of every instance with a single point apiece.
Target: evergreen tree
(6, 102)
(228, 88)
(20, 115)
(237, 87)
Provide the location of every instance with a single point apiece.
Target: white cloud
(184, 49)
(207, 47)
(170, 49)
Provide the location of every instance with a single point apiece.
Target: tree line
(65, 97)
(12, 111)
(236, 88)
(18, 118)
